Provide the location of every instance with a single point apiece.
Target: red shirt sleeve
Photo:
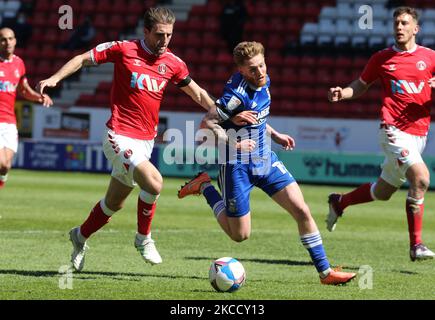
(23, 70)
(371, 70)
(433, 61)
(181, 73)
(106, 52)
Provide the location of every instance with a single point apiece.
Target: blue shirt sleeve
(230, 103)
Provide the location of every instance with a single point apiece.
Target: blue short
(237, 180)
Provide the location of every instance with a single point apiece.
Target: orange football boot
(336, 276)
(193, 186)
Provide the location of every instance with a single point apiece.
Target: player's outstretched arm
(354, 90)
(287, 142)
(28, 93)
(67, 69)
(199, 95)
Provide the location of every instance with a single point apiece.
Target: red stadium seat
(38, 20)
(198, 11)
(193, 40)
(42, 6)
(101, 21)
(343, 63)
(104, 6)
(135, 6)
(214, 8)
(85, 100)
(212, 24)
(88, 7)
(195, 23)
(117, 22)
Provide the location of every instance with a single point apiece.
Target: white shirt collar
(145, 47)
(403, 51)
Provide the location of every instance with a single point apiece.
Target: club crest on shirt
(161, 68)
(2, 74)
(136, 62)
(233, 103)
(17, 73)
(421, 65)
(392, 67)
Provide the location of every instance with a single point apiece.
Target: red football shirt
(139, 81)
(11, 73)
(406, 98)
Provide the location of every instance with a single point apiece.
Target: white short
(125, 154)
(402, 150)
(9, 136)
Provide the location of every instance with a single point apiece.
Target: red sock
(361, 194)
(96, 220)
(415, 222)
(145, 215)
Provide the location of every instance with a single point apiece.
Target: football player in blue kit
(247, 161)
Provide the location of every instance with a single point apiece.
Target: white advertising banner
(311, 134)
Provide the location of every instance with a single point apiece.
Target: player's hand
(432, 82)
(245, 118)
(247, 145)
(46, 100)
(287, 142)
(335, 94)
(50, 83)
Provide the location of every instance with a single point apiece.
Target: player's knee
(423, 184)
(4, 168)
(156, 185)
(240, 237)
(302, 214)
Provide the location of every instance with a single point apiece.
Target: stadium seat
(309, 33)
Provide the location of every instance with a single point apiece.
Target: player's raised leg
(98, 217)
(151, 183)
(368, 192)
(418, 177)
(291, 199)
(237, 228)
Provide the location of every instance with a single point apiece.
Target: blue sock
(313, 243)
(214, 199)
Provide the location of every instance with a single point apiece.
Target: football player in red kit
(406, 73)
(143, 69)
(12, 80)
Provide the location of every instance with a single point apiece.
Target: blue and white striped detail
(311, 240)
(242, 87)
(218, 208)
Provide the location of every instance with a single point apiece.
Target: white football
(227, 274)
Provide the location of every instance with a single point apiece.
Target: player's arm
(198, 94)
(212, 120)
(28, 93)
(287, 142)
(207, 101)
(67, 69)
(354, 90)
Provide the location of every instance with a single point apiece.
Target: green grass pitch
(37, 209)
